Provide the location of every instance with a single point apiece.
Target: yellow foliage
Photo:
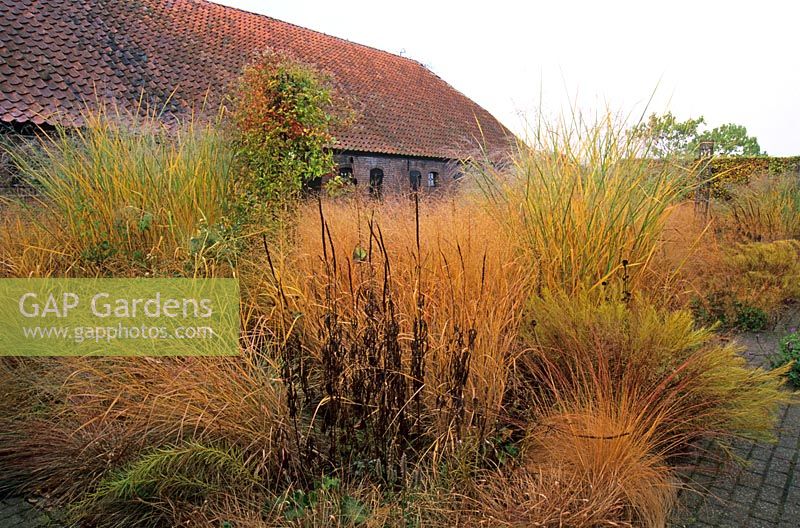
(766, 273)
(580, 203)
(768, 209)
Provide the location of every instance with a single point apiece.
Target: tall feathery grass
(493, 358)
(400, 339)
(765, 210)
(432, 292)
(581, 201)
(125, 187)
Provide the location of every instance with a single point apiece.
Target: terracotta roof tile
(58, 55)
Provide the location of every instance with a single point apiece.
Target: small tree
(731, 140)
(282, 117)
(664, 136)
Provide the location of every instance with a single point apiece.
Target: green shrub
(724, 309)
(731, 173)
(789, 352)
(283, 112)
(750, 318)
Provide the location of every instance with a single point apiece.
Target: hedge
(741, 171)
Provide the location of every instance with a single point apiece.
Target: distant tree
(664, 136)
(731, 140)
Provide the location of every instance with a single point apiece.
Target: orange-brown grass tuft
(585, 464)
(86, 417)
(679, 381)
(439, 294)
(621, 392)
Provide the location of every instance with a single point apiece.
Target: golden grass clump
(124, 188)
(580, 201)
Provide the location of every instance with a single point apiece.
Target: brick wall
(397, 171)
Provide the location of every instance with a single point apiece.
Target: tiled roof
(58, 55)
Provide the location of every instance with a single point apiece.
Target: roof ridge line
(409, 59)
(367, 46)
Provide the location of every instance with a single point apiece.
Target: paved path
(765, 491)
(19, 513)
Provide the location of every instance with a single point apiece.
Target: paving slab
(765, 491)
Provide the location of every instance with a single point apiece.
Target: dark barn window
(416, 179)
(433, 179)
(375, 182)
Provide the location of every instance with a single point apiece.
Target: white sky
(735, 61)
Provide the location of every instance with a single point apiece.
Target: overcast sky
(728, 61)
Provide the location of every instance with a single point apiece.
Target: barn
(410, 128)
